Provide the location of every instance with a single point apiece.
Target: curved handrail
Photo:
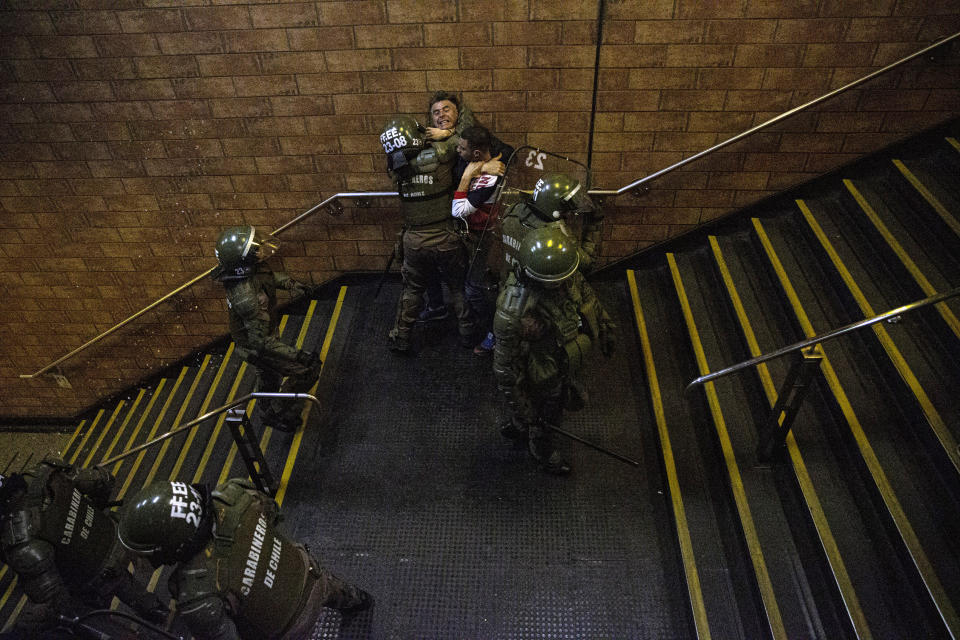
(596, 192)
(893, 316)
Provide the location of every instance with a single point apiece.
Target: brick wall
(132, 130)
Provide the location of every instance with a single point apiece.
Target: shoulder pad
(36, 556)
(242, 298)
(231, 491)
(516, 299)
(207, 616)
(426, 161)
(193, 581)
(231, 500)
(15, 529)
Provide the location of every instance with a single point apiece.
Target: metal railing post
(790, 397)
(249, 447)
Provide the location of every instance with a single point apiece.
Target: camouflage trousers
(429, 258)
(271, 371)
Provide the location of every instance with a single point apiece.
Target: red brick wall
(132, 130)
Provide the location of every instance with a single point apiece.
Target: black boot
(546, 456)
(512, 431)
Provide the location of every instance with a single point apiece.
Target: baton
(592, 445)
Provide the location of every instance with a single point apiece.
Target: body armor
(425, 195)
(56, 514)
(59, 540)
(521, 218)
(249, 571)
(253, 314)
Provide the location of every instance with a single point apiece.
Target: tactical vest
(516, 222)
(264, 575)
(558, 327)
(425, 196)
(82, 535)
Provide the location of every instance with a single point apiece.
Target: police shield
(524, 169)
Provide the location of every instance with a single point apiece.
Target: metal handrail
(198, 278)
(207, 416)
(772, 121)
(595, 192)
(892, 316)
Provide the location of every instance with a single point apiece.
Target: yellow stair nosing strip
(6, 594)
(123, 427)
(911, 266)
(211, 392)
(14, 614)
(232, 453)
(298, 436)
(103, 433)
(140, 422)
(764, 584)
(941, 210)
(933, 417)
(694, 590)
(211, 442)
(160, 455)
(821, 523)
(153, 430)
(86, 436)
(953, 143)
(917, 554)
(267, 433)
(76, 432)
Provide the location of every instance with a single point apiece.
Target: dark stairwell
(402, 484)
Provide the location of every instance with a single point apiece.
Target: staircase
(852, 531)
(206, 453)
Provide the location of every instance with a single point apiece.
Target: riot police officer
(432, 249)
(556, 198)
(63, 546)
(237, 575)
(251, 287)
(547, 319)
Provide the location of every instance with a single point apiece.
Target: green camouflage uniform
(542, 336)
(521, 218)
(253, 323)
(251, 581)
(433, 250)
(62, 545)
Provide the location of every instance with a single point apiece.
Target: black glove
(308, 359)
(303, 289)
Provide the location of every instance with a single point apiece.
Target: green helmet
(165, 521)
(548, 255)
(239, 249)
(556, 195)
(402, 140)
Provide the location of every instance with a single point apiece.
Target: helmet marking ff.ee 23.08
(557, 194)
(548, 255)
(402, 140)
(239, 249)
(164, 521)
